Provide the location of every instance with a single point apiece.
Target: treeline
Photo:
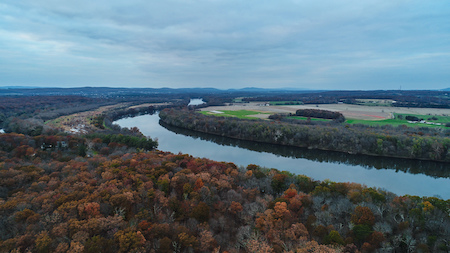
(44, 107)
(27, 114)
(322, 114)
(104, 121)
(21, 146)
(140, 142)
(56, 201)
(411, 166)
(14, 145)
(407, 98)
(427, 144)
(129, 112)
(288, 118)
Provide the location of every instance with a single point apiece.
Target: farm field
(355, 114)
(397, 122)
(375, 102)
(242, 114)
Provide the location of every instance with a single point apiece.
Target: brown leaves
(145, 201)
(201, 212)
(207, 241)
(27, 215)
(281, 210)
(297, 232)
(89, 210)
(235, 207)
(198, 184)
(258, 245)
(129, 240)
(363, 216)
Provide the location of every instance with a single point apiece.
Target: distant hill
(108, 92)
(17, 87)
(404, 98)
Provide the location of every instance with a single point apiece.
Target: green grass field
(402, 121)
(305, 118)
(242, 114)
(246, 114)
(397, 121)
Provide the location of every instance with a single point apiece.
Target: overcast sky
(340, 44)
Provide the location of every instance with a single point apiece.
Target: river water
(400, 176)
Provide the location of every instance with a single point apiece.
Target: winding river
(400, 176)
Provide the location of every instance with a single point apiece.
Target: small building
(62, 144)
(45, 146)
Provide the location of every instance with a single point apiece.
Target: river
(400, 176)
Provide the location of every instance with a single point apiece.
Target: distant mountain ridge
(109, 91)
(18, 87)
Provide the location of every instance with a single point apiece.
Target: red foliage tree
(363, 216)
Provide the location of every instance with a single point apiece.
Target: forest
(406, 142)
(111, 190)
(30, 114)
(322, 114)
(124, 200)
(406, 98)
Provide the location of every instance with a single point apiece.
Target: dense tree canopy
(112, 192)
(323, 114)
(120, 200)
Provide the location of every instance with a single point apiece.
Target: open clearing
(149, 104)
(243, 114)
(79, 122)
(357, 112)
(82, 122)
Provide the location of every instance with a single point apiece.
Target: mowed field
(356, 112)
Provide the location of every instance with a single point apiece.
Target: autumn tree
(363, 216)
(201, 212)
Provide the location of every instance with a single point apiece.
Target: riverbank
(400, 176)
(383, 141)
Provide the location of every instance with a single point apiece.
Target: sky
(328, 44)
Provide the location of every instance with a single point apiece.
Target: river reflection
(434, 169)
(401, 176)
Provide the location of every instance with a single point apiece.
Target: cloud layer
(226, 44)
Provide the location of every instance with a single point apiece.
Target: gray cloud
(226, 44)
